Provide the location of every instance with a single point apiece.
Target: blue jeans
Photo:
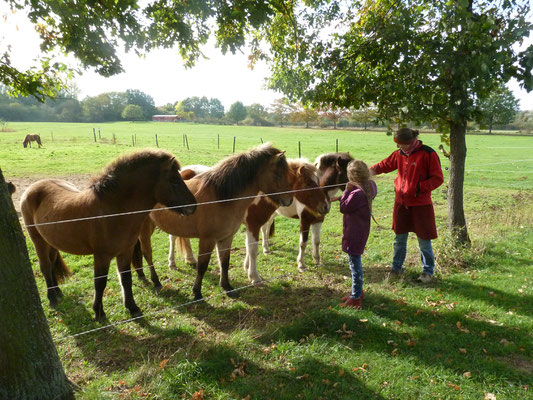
(357, 275)
(426, 254)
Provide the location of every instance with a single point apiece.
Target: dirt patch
(518, 363)
(80, 181)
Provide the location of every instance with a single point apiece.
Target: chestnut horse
(332, 177)
(104, 220)
(310, 203)
(224, 192)
(32, 138)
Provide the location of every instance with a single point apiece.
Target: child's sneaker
(357, 304)
(349, 294)
(424, 278)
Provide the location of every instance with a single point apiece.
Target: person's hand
(349, 187)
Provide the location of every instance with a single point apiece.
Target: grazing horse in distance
(104, 220)
(223, 193)
(310, 202)
(32, 138)
(11, 188)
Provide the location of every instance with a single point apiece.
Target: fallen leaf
(452, 385)
(483, 334)
(467, 374)
(490, 396)
(198, 395)
(363, 320)
(411, 343)
(346, 333)
(162, 364)
(463, 351)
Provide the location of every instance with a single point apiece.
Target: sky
(161, 74)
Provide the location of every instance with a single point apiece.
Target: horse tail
(137, 257)
(181, 247)
(59, 268)
(272, 230)
(38, 140)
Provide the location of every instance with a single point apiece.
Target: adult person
(419, 173)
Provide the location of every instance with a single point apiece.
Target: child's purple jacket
(356, 219)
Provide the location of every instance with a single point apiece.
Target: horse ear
(280, 156)
(300, 170)
(338, 166)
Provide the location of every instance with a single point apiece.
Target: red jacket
(418, 174)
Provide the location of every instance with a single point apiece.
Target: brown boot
(349, 294)
(357, 304)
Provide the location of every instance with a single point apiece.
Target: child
(356, 207)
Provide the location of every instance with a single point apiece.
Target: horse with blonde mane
(104, 220)
(224, 194)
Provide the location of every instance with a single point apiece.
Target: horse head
(276, 179)
(307, 190)
(171, 189)
(332, 171)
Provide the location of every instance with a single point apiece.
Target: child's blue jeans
(357, 275)
(426, 253)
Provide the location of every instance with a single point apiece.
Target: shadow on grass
(222, 368)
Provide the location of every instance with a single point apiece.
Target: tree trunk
(456, 213)
(29, 364)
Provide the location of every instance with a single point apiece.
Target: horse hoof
(100, 317)
(158, 287)
(172, 267)
(136, 313)
(232, 294)
(302, 268)
(259, 282)
(266, 252)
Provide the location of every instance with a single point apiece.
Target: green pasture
(467, 335)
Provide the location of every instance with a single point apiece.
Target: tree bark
(456, 214)
(29, 364)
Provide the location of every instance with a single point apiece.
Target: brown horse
(104, 220)
(224, 192)
(331, 169)
(310, 203)
(32, 138)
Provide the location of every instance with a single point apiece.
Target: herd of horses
(116, 216)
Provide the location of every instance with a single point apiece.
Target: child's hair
(359, 173)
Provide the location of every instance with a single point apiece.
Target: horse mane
(327, 160)
(296, 163)
(108, 180)
(234, 173)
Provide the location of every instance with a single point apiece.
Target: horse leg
(124, 269)
(146, 247)
(304, 237)
(101, 269)
(223, 251)
(46, 256)
(250, 260)
(315, 230)
(184, 247)
(137, 261)
(205, 248)
(265, 233)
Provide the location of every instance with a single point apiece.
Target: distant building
(165, 118)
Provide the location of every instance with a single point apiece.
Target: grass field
(468, 335)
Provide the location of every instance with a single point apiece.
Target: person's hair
(405, 135)
(359, 174)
